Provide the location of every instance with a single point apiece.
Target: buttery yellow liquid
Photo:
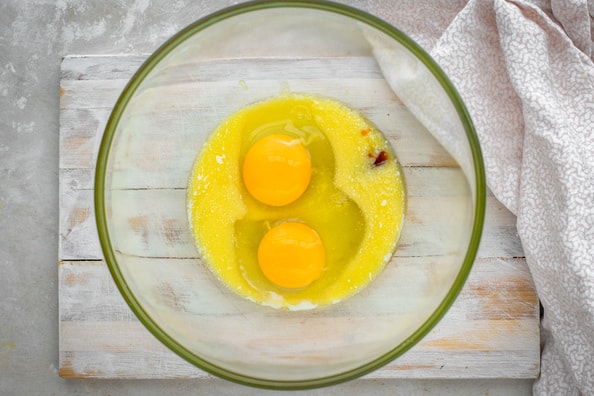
(355, 200)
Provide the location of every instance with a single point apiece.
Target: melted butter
(357, 208)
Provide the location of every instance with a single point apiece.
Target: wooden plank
(86, 112)
(472, 341)
(491, 331)
(86, 100)
(103, 68)
(80, 137)
(99, 67)
(78, 239)
(506, 281)
(138, 364)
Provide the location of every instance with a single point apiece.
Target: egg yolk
(277, 170)
(291, 255)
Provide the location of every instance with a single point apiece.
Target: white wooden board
(491, 331)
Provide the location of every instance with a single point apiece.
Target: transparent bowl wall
(214, 68)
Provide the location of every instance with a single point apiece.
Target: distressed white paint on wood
(78, 240)
(86, 114)
(504, 280)
(103, 68)
(490, 331)
(478, 338)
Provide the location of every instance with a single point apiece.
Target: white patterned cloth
(524, 69)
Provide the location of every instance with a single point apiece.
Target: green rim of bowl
(101, 216)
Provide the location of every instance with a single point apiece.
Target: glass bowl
(245, 54)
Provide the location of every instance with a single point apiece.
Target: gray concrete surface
(34, 36)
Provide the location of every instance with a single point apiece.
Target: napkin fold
(525, 72)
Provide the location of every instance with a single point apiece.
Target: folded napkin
(524, 70)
